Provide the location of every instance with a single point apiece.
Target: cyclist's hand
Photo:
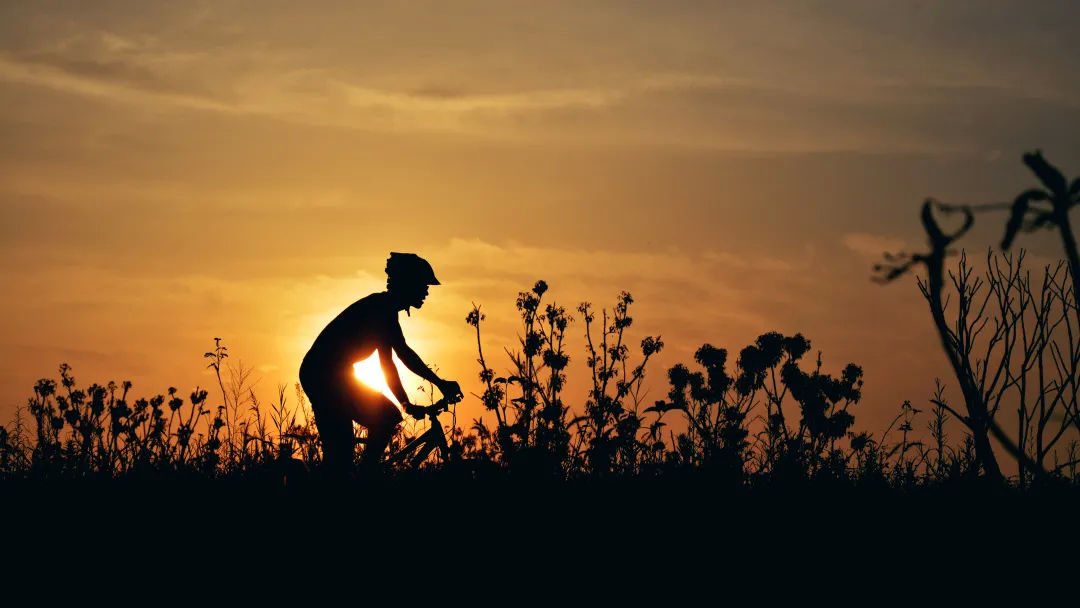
(415, 411)
(451, 390)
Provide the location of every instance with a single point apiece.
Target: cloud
(873, 245)
(112, 81)
(593, 265)
(462, 102)
(682, 287)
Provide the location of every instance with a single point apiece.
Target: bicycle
(430, 440)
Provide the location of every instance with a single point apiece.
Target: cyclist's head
(408, 276)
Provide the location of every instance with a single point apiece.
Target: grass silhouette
(773, 419)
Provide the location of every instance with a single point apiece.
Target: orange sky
(172, 172)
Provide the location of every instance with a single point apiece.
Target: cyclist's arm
(415, 364)
(393, 380)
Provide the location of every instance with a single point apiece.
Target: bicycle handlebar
(432, 411)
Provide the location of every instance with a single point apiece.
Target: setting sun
(370, 373)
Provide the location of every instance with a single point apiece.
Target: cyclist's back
(365, 326)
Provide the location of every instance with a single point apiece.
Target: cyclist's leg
(381, 417)
(377, 440)
(338, 441)
(333, 422)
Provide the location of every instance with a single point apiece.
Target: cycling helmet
(409, 268)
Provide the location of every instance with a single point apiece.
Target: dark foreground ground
(634, 507)
(673, 540)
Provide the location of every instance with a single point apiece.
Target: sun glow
(370, 373)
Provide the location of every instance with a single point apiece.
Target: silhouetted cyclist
(369, 324)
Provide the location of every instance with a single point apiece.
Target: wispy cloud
(109, 81)
(873, 245)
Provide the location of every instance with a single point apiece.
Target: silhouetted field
(771, 419)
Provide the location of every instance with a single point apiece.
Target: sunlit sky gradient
(175, 171)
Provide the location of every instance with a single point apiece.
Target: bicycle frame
(428, 441)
